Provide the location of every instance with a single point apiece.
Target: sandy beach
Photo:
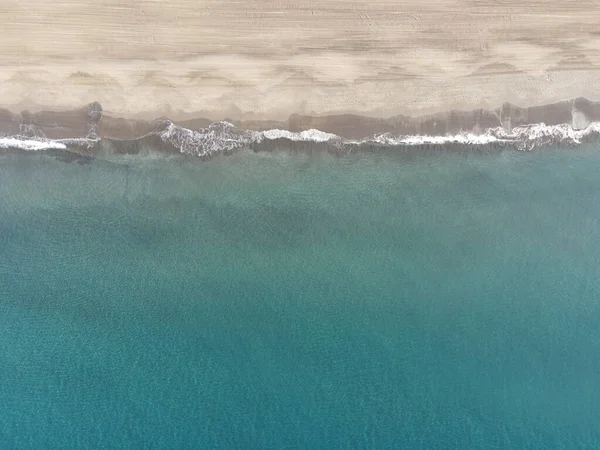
(258, 60)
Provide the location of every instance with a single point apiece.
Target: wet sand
(266, 60)
(93, 121)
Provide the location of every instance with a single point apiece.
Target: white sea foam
(311, 135)
(30, 144)
(461, 138)
(528, 137)
(222, 137)
(218, 137)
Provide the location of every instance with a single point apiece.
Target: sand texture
(267, 60)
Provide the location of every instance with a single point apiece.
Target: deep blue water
(294, 301)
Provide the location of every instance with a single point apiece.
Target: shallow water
(294, 301)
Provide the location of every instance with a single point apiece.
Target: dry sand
(267, 59)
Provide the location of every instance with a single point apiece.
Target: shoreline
(90, 131)
(92, 120)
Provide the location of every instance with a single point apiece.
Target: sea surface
(293, 300)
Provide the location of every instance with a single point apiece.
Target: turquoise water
(296, 301)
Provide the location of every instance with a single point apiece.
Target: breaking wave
(225, 138)
(21, 143)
